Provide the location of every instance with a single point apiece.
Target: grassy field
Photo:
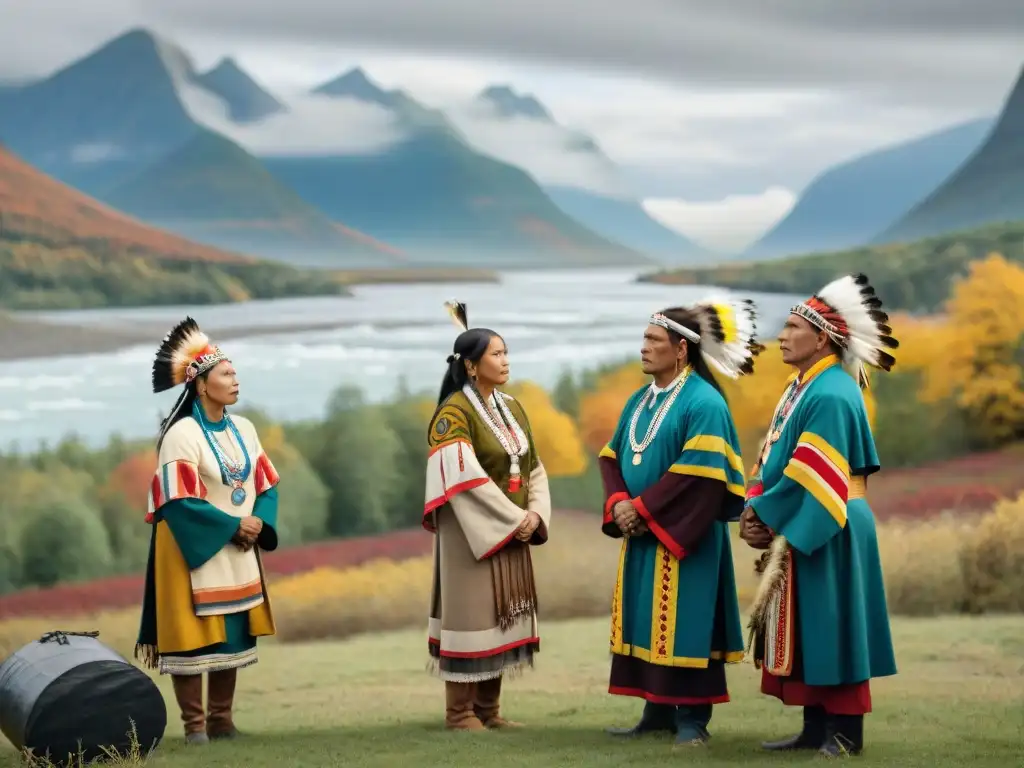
(959, 699)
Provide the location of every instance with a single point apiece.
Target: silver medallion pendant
(637, 458)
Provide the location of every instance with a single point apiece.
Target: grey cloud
(953, 52)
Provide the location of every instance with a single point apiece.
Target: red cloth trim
(672, 700)
(444, 498)
(497, 547)
(266, 475)
(611, 501)
(662, 535)
(852, 699)
(825, 469)
(481, 654)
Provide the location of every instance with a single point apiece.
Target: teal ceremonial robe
(834, 632)
(675, 614)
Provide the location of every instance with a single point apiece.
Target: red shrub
(126, 591)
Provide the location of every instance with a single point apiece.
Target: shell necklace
(659, 416)
(509, 433)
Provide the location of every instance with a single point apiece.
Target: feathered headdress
(728, 334)
(184, 354)
(848, 310)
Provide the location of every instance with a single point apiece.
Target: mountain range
(987, 188)
(135, 125)
(964, 176)
(121, 124)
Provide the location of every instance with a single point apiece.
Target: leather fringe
(515, 593)
(148, 655)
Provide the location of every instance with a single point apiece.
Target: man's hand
(753, 531)
(639, 529)
(529, 526)
(625, 516)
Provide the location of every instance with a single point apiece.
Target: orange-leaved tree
(600, 408)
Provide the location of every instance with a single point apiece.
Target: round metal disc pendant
(637, 458)
(238, 497)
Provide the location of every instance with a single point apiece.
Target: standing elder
(212, 507)
(820, 626)
(673, 479)
(487, 502)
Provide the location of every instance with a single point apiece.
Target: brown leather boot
(459, 714)
(221, 694)
(188, 690)
(487, 705)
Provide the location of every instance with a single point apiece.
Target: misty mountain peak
(246, 100)
(354, 84)
(510, 104)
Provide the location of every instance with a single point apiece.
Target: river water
(551, 321)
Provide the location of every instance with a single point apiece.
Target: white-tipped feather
(457, 311)
(730, 355)
(862, 345)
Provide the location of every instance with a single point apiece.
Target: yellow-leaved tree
(980, 360)
(555, 435)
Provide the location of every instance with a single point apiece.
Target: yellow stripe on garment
(713, 473)
(715, 444)
(616, 632)
(606, 453)
(830, 453)
(663, 606)
(822, 492)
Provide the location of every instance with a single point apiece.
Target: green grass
(959, 699)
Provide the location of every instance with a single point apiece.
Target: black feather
(163, 372)
(878, 316)
(886, 361)
(889, 342)
(860, 278)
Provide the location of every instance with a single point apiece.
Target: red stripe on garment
(825, 469)
(672, 700)
(662, 535)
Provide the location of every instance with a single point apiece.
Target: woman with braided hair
(487, 502)
(212, 508)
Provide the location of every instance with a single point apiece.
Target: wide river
(551, 321)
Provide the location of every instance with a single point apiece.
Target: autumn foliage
(38, 208)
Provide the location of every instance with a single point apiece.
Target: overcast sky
(718, 113)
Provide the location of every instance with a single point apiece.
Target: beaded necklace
(509, 434)
(659, 416)
(233, 472)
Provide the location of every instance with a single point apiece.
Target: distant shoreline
(34, 339)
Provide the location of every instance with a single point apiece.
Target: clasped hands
(248, 531)
(628, 519)
(753, 531)
(530, 524)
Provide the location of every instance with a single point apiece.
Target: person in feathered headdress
(212, 508)
(487, 502)
(819, 625)
(673, 477)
